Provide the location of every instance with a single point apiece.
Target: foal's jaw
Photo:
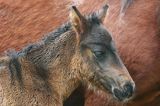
(120, 85)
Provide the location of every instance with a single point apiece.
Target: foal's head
(102, 66)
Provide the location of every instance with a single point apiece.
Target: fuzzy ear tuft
(101, 14)
(77, 20)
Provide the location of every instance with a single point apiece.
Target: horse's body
(135, 32)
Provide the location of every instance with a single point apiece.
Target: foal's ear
(101, 14)
(77, 20)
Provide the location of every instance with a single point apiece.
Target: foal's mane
(47, 39)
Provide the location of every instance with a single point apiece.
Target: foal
(80, 52)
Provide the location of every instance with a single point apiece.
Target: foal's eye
(99, 54)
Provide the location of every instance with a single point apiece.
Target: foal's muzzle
(125, 93)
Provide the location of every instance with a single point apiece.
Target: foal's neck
(64, 68)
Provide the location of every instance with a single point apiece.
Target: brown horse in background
(133, 23)
(135, 26)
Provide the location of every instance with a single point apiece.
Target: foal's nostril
(128, 88)
(118, 94)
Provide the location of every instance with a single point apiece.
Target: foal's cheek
(87, 54)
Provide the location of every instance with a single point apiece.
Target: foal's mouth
(122, 94)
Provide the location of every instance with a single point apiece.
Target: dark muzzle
(124, 93)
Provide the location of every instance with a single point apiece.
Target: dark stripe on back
(56, 33)
(15, 69)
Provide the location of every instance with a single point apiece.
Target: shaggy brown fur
(37, 85)
(140, 20)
